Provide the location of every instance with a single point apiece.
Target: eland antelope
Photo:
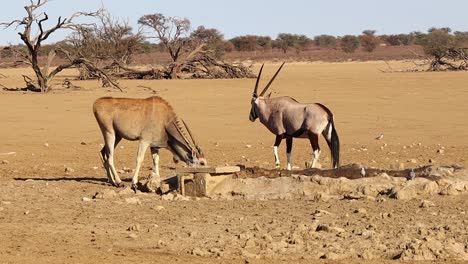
(287, 118)
(152, 122)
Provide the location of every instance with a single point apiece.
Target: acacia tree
(368, 40)
(190, 53)
(34, 40)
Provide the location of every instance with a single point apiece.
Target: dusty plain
(48, 214)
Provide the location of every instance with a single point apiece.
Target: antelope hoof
(134, 187)
(277, 166)
(119, 185)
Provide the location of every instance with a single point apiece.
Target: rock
(320, 213)
(168, 197)
(426, 204)
(69, 170)
(441, 151)
(134, 228)
(198, 252)
(95, 168)
(322, 227)
(248, 146)
(127, 191)
(6, 202)
(86, 199)
(106, 194)
(412, 161)
(159, 208)
(132, 235)
(250, 243)
(368, 234)
(83, 143)
(405, 193)
(133, 200)
(4, 162)
(360, 211)
(46, 145)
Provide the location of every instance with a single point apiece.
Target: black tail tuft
(334, 146)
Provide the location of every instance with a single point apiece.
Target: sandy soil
(48, 213)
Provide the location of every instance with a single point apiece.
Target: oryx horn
(274, 76)
(258, 79)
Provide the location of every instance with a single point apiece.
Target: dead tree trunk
(33, 42)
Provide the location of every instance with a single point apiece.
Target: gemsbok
(287, 118)
(152, 122)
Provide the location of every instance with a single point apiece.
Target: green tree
(349, 43)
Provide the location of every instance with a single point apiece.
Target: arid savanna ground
(47, 213)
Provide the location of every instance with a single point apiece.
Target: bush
(349, 43)
(326, 41)
(369, 41)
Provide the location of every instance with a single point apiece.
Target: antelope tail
(331, 137)
(334, 144)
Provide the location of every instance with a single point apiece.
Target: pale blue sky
(269, 17)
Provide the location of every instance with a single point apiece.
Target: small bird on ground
(363, 172)
(379, 137)
(412, 174)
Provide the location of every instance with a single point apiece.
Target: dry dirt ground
(48, 213)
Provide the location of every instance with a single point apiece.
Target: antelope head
(254, 110)
(182, 144)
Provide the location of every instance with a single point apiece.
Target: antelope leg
(275, 150)
(110, 141)
(155, 177)
(140, 156)
(315, 148)
(289, 141)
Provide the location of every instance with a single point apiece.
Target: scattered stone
(135, 228)
(95, 168)
(368, 233)
(248, 146)
(86, 199)
(412, 161)
(127, 170)
(133, 200)
(46, 145)
(360, 211)
(6, 202)
(69, 170)
(132, 235)
(106, 194)
(4, 162)
(83, 143)
(441, 151)
(405, 193)
(168, 197)
(322, 227)
(127, 191)
(426, 204)
(159, 208)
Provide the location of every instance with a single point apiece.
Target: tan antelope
(287, 118)
(152, 122)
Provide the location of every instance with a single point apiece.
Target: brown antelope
(287, 118)
(153, 123)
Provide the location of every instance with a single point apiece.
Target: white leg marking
(140, 156)
(275, 151)
(155, 155)
(288, 155)
(316, 157)
(330, 131)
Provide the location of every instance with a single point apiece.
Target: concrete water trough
(347, 181)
